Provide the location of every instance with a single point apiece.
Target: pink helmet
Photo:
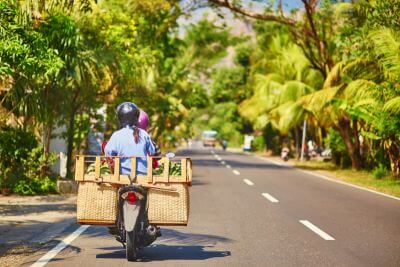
(143, 121)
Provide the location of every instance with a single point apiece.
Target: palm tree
(354, 95)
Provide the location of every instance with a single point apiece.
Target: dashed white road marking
(269, 197)
(316, 230)
(223, 162)
(212, 152)
(236, 172)
(219, 158)
(247, 181)
(63, 244)
(228, 166)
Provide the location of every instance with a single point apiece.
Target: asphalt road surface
(248, 211)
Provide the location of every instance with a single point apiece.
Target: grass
(386, 184)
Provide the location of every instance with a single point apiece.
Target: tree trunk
(70, 142)
(346, 131)
(394, 155)
(297, 137)
(46, 146)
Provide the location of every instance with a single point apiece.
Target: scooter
(285, 154)
(133, 229)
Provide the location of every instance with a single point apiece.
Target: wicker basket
(168, 208)
(98, 201)
(97, 204)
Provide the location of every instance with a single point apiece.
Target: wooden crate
(168, 195)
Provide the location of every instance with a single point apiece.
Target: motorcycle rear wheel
(131, 247)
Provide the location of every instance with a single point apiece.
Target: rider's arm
(150, 146)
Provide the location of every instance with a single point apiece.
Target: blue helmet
(128, 114)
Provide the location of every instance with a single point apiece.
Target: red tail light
(131, 198)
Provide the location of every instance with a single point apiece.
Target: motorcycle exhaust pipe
(151, 230)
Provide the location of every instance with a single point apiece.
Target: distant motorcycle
(224, 144)
(285, 154)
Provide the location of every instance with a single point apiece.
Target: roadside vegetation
(331, 65)
(380, 179)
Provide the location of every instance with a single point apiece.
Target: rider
(130, 140)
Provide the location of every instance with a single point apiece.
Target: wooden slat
(116, 169)
(189, 170)
(97, 166)
(166, 169)
(124, 179)
(185, 177)
(183, 169)
(149, 169)
(80, 168)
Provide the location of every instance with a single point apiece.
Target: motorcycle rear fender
(131, 214)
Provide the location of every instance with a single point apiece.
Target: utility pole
(303, 140)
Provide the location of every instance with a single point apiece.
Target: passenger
(143, 123)
(130, 140)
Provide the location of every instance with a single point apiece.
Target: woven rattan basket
(97, 204)
(167, 199)
(168, 208)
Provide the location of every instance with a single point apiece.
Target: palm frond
(387, 47)
(317, 101)
(360, 89)
(393, 105)
(361, 69)
(333, 77)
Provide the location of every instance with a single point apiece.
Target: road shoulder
(28, 224)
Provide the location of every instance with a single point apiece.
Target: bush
(258, 144)
(24, 167)
(15, 146)
(29, 187)
(380, 171)
(335, 142)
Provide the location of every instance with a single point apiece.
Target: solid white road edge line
(269, 197)
(63, 244)
(272, 161)
(330, 179)
(247, 181)
(236, 172)
(316, 230)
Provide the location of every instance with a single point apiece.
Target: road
(248, 211)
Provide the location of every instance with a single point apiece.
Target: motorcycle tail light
(131, 197)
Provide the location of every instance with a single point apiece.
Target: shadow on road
(161, 252)
(16, 210)
(175, 245)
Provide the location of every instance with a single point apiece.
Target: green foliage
(15, 147)
(29, 187)
(174, 169)
(335, 142)
(258, 144)
(23, 166)
(228, 85)
(380, 171)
